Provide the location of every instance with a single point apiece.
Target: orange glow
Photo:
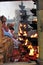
(34, 36)
(25, 26)
(20, 38)
(31, 52)
(26, 41)
(37, 55)
(35, 19)
(19, 34)
(38, 52)
(20, 30)
(25, 34)
(30, 46)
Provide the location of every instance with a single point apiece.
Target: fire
(20, 30)
(20, 38)
(26, 41)
(19, 34)
(25, 34)
(38, 52)
(34, 36)
(24, 26)
(31, 52)
(30, 46)
(37, 55)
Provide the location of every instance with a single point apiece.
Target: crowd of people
(8, 30)
(19, 53)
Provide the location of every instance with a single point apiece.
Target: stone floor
(20, 63)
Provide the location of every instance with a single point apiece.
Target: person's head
(12, 29)
(3, 19)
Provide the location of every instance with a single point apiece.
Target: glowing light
(37, 55)
(26, 41)
(24, 26)
(31, 52)
(34, 36)
(19, 34)
(25, 34)
(20, 38)
(20, 30)
(30, 46)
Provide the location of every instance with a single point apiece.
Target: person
(16, 42)
(5, 29)
(9, 31)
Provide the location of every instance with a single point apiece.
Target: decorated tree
(25, 51)
(23, 25)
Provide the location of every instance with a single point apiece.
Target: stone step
(20, 63)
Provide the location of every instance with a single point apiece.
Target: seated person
(8, 31)
(16, 42)
(5, 29)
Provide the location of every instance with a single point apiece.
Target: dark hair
(1, 18)
(11, 28)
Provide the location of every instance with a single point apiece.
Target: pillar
(40, 29)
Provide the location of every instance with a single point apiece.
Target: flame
(37, 55)
(34, 36)
(20, 38)
(25, 34)
(30, 46)
(19, 34)
(20, 30)
(26, 41)
(31, 52)
(24, 26)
